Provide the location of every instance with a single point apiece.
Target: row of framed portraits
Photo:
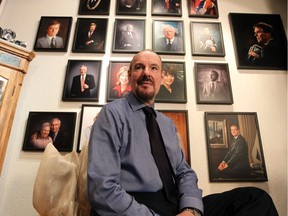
(129, 36)
(196, 8)
(206, 38)
(217, 129)
(212, 82)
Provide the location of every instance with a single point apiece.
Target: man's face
(213, 76)
(83, 70)
(55, 125)
(261, 36)
(53, 30)
(92, 27)
(169, 33)
(234, 131)
(146, 75)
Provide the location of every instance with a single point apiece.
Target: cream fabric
(55, 187)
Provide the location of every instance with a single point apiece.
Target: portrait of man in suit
(129, 35)
(82, 84)
(90, 35)
(53, 34)
(170, 40)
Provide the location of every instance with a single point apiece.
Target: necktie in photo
(160, 156)
(212, 90)
(53, 43)
(169, 45)
(82, 83)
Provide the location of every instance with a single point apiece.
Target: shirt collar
(134, 102)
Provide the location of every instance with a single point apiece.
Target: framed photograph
(50, 127)
(53, 34)
(207, 39)
(94, 7)
(168, 37)
(3, 84)
(82, 80)
(118, 84)
(131, 7)
(203, 8)
(234, 147)
(129, 35)
(89, 114)
(167, 8)
(90, 35)
(212, 82)
(173, 86)
(180, 119)
(260, 41)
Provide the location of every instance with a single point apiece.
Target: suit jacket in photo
(128, 41)
(237, 157)
(220, 92)
(176, 46)
(61, 141)
(45, 42)
(97, 44)
(76, 86)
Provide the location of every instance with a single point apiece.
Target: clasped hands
(223, 165)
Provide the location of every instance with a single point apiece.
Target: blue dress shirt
(120, 161)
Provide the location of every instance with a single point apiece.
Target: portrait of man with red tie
(81, 82)
(169, 7)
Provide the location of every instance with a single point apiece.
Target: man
(170, 42)
(82, 84)
(128, 39)
(207, 42)
(91, 39)
(236, 161)
(59, 137)
(214, 89)
(123, 177)
(268, 51)
(51, 40)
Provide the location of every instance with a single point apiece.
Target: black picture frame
(96, 42)
(89, 114)
(129, 36)
(207, 39)
(203, 9)
(271, 55)
(72, 86)
(162, 8)
(117, 77)
(173, 86)
(160, 41)
(213, 84)
(217, 127)
(94, 7)
(132, 7)
(65, 135)
(57, 27)
(180, 120)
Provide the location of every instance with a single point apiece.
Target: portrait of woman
(172, 88)
(40, 139)
(119, 84)
(122, 85)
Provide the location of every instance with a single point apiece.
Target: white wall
(264, 92)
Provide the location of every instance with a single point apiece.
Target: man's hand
(185, 213)
(222, 165)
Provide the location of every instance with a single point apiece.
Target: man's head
(145, 75)
(263, 32)
(234, 129)
(55, 125)
(92, 27)
(169, 31)
(213, 75)
(53, 28)
(83, 70)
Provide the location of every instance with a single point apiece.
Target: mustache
(145, 79)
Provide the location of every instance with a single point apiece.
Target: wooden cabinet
(14, 61)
